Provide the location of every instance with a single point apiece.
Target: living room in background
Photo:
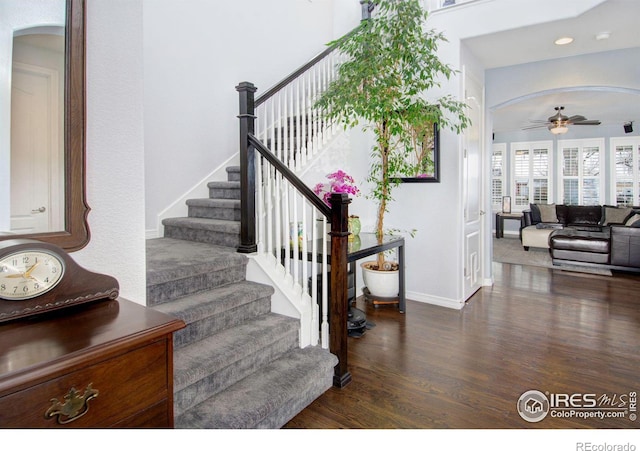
(531, 173)
(625, 170)
(581, 171)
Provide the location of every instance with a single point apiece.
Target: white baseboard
(435, 300)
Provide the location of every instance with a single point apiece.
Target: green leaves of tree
(391, 63)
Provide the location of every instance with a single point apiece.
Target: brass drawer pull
(75, 405)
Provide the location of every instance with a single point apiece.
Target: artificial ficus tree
(391, 63)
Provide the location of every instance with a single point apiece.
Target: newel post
(338, 308)
(247, 169)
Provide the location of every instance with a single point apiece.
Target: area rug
(510, 250)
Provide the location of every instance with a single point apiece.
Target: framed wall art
(506, 204)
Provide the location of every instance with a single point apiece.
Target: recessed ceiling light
(563, 41)
(603, 35)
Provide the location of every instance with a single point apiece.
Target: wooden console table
(104, 364)
(366, 245)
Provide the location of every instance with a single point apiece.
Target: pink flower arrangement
(339, 182)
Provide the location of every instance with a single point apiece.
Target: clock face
(28, 274)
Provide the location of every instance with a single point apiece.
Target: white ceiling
(620, 18)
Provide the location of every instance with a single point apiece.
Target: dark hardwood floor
(534, 329)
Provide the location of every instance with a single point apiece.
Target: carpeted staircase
(236, 364)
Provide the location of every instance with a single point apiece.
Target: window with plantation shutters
(625, 170)
(498, 175)
(531, 169)
(581, 174)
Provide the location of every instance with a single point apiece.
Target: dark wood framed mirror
(425, 157)
(76, 233)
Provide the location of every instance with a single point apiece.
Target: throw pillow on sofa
(548, 213)
(633, 221)
(535, 213)
(615, 215)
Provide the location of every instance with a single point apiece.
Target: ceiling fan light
(559, 129)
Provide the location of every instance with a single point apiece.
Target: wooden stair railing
(281, 178)
(286, 130)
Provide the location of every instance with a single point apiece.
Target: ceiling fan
(558, 123)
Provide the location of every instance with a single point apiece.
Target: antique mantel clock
(37, 277)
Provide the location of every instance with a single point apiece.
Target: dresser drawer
(124, 386)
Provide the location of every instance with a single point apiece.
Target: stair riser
(168, 291)
(204, 327)
(203, 236)
(233, 176)
(224, 193)
(225, 377)
(228, 214)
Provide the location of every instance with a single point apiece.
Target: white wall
(115, 144)
(115, 147)
(195, 53)
(614, 69)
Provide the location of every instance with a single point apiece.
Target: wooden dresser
(104, 364)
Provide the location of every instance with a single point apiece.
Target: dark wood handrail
(299, 185)
(295, 74)
(367, 7)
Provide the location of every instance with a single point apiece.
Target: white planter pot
(385, 284)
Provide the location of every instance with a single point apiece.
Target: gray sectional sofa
(603, 236)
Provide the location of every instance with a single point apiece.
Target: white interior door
(35, 155)
(472, 242)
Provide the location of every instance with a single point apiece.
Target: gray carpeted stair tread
(233, 173)
(225, 190)
(213, 225)
(178, 268)
(224, 209)
(228, 307)
(228, 184)
(194, 307)
(268, 398)
(214, 363)
(198, 359)
(171, 259)
(222, 232)
(214, 203)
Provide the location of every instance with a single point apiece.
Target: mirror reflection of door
(37, 152)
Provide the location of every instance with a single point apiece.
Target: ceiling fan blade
(591, 122)
(577, 118)
(538, 121)
(535, 126)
